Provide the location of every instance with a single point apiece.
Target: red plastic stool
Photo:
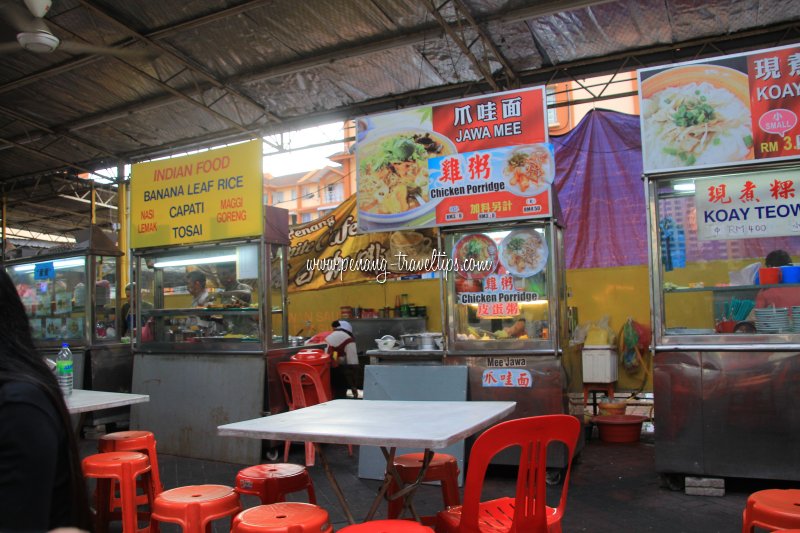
(387, 526)
(772, 509)
(122, 468)
(193, 507)
(134, 441)
(284, 517)
(272, 482)
(443, 468)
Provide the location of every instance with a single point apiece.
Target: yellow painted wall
(620, 293)
(321, 307)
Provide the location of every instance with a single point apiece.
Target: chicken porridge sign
(473, 160)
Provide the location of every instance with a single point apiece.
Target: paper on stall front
(745, 276)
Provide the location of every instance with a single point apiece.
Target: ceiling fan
(35, 36)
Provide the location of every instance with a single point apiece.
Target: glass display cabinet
(201, 298)
(506, 316)
(516, 302)
(71, 294)
(726, 328)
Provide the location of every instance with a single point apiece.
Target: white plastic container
(600, 364)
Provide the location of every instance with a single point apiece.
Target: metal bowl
(411, 340)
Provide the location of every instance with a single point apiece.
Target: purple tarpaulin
(601, 192)
(600, 189)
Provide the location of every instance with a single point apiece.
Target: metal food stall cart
(71, 294)
(216, 363)
(726, 347)
(508, 324)
(210, 309)
(486, 182)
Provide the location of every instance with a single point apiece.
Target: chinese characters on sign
(758, 204)
(722, 112)
(471, 160)
(507, 378)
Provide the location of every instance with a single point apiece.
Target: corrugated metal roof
(227, 70)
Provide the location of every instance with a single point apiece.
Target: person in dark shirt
(41, 484)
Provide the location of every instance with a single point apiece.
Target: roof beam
(481, 66)
(179, 56)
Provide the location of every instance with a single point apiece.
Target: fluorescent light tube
(196, 261)
(61, 263)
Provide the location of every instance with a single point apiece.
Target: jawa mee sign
(209, 196)
(329, 251)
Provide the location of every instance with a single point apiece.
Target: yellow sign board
(203, 197)
(329, 252)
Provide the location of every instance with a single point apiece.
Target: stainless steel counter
(405, 357)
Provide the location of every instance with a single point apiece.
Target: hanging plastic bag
(600, 333)
(634, 339)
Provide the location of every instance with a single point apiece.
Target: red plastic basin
(619, 428)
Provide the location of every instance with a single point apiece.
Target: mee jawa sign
(330, 251)
(210, 196)
(729, 111)
(479, 159)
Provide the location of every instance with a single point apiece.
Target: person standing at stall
(41, 484)
(196, 285)
(344, 359)
(236, 291)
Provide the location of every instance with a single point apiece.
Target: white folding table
(428, 425)
(82, 401)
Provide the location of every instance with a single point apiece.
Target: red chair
(772, 509)
(272, 482)
(291, 517)
(443, 468)
(194, 507)
(526, 511)
(297, 379)
(387, 526)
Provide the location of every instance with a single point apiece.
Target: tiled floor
(614, 487)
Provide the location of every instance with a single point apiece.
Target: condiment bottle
(404, 309)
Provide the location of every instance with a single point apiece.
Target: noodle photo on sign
(393, 174)
(696, 115)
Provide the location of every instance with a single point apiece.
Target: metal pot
(411, 340)
(295, 340)
(428, 341)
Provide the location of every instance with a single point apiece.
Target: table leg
(406, 491)
(334, 484)
(390, 474)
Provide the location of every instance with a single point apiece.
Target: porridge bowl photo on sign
(393, 173)
(529, 170)
(523, 252)
(696, 115)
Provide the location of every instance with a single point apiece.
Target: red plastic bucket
(619, 428)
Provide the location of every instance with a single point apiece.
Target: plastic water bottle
(64, 369)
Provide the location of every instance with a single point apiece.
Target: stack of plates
(796, 318)
(773, 320)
